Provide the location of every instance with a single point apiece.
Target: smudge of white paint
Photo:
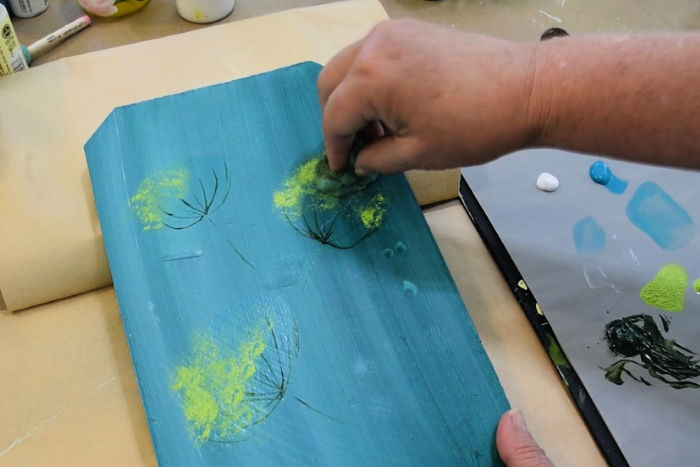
(632, 256)
(533, 20)
(182, 255)
(550, 16)
(106, 382)
(596, 278)
(360, 367)
(547, 182)
(28, 435)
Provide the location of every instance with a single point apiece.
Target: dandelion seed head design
(333, 208)
(154, 191)
(214, 386)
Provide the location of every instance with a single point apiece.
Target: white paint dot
(547, 182)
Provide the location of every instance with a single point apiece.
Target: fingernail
(517, 419)
(360, 172)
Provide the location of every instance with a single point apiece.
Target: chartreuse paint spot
(556, 354)
(154, 192)
(667, 290)
(589, 236)
(658, 215)
(372, 214)
(214, 385)
(696, 286)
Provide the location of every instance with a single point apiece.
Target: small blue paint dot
(401, 248)
(409, 289)
(600, 172)
(388, 252)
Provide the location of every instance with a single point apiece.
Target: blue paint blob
(589, 236)
(602, 174)
(400, 248)
(658, 215)
(409, 289)
(388, 253)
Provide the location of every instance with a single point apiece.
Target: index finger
(336, 70)
(348, 110)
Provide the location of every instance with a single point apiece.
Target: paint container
(28, 8)
(204, 11)
(11, 57)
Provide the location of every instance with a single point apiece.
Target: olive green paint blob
(556, 354)
(154, 192)
(214, 384)
(667, 290)
(639, 341)
(341, 183)
(696, 286)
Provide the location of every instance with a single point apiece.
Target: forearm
(633, 97)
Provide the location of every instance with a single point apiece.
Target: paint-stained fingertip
(337, 153)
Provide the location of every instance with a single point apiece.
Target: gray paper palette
(579, 293)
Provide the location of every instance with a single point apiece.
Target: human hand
(515, 444)
(429, 96)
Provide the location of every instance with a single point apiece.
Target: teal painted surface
(338, 365)
(658, 215)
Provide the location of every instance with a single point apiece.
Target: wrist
(541, 117)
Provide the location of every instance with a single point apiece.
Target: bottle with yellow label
(11, 57)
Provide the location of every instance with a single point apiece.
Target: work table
(69, 391)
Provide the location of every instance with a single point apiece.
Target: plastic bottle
(11, 57)
(28, 8)
(204, 11)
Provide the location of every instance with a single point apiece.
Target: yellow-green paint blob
(213, 386)
(556, 354)
(372, 214)
(154, 191)
(539, 309)
(696, 286)
(302, 184)
(667, 290)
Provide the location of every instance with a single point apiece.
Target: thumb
(516, 445)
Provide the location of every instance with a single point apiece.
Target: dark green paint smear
(343, 182)
(638, 339)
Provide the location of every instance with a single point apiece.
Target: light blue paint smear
(410, 289)
(589, 236)
(658, 215)
(602, 174)
(185, 255)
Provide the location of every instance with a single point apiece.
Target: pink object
(99, 7)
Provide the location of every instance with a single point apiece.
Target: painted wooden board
(590, 254)
(270, 323)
